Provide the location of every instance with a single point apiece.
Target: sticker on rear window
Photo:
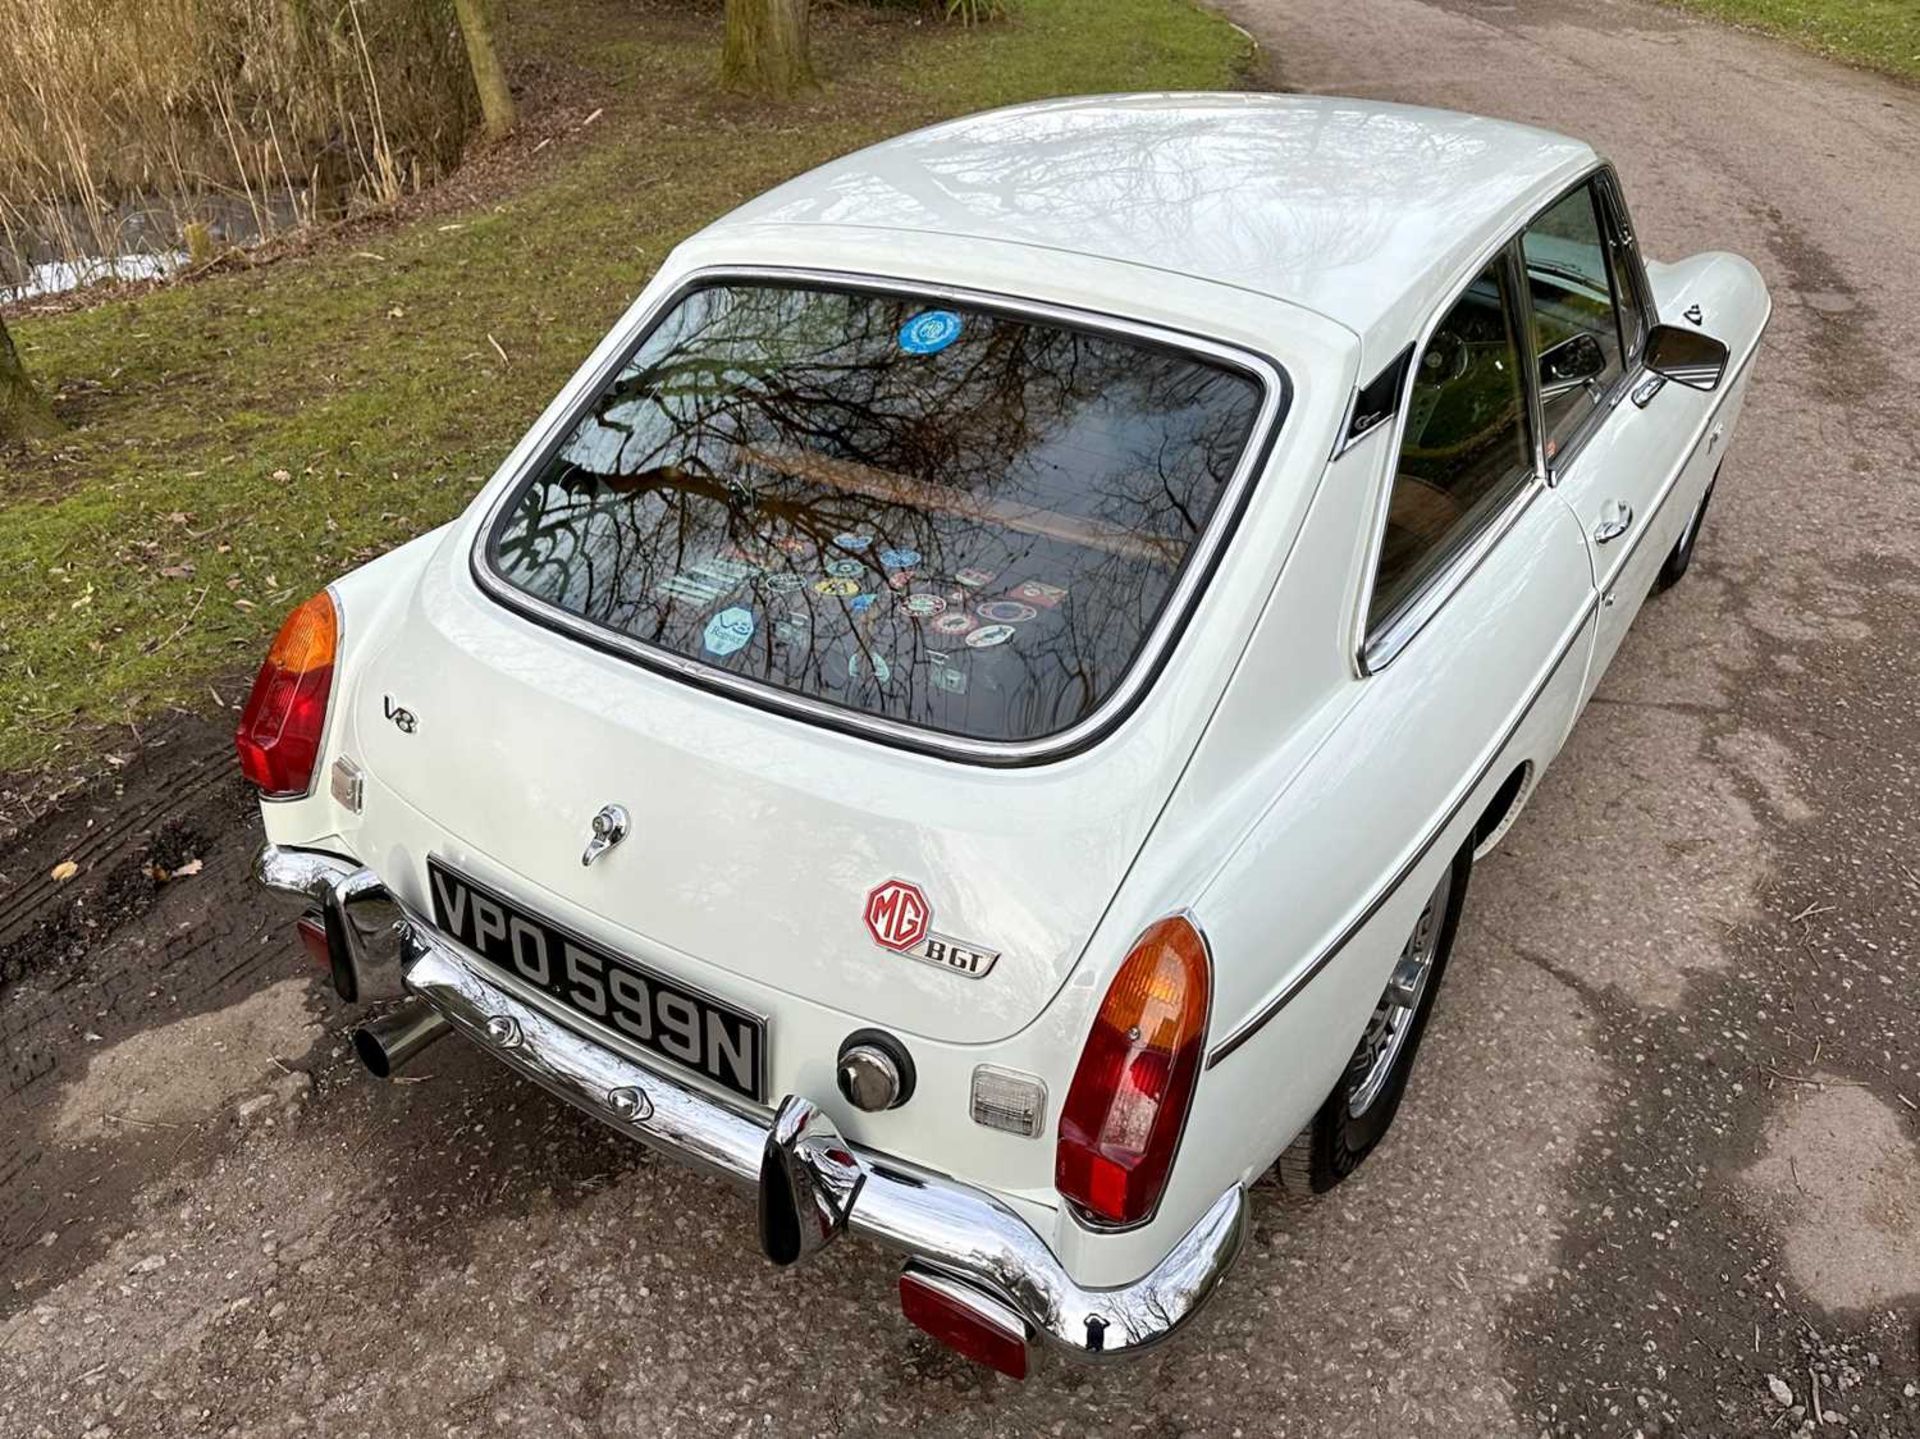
(929, 332)
(1006, 612)
(988, 637)
(729, 631)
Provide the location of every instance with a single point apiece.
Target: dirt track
(1662, 1144)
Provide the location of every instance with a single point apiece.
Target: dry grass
(259, 114)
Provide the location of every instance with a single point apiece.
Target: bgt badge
(899, 918)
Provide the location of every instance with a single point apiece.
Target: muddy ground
(1659, 1173)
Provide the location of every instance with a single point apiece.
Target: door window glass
(1466, 446)
(1576, 330)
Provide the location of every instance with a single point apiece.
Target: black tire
(1681, 557)
(1338, 1140)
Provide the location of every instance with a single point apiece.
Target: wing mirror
(1570, 364)
(1686, 357)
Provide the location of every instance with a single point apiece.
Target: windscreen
(955, 518)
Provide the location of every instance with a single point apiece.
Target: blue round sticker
(929, 332)
(899, 559)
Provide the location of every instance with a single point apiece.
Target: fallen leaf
(192, 866)
(63, 871)
(281, 476)
(175, 572)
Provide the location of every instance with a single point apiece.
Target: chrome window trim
(1605, 187)
(1197, 570)
(1371, 646)
(1392, 635)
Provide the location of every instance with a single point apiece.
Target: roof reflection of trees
(659, 460)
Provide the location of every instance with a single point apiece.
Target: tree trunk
(766, 48)
(23, 414)
(496, 100)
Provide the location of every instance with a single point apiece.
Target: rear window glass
(952, 518)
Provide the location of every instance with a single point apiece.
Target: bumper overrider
(960, 1242)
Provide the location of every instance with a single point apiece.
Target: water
(53, 277)
(146, 235)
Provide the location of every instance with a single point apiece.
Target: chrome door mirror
(1571, 364)
(1687, 357)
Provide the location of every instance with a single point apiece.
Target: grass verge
(238, 441)
(1880, 34)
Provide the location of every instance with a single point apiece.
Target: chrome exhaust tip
(387, 1044)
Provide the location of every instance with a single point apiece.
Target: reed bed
(129, 125)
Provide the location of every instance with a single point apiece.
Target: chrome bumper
(937, 1222)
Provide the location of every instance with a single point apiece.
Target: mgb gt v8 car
(973, 712)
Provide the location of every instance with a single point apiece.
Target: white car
(973, 711)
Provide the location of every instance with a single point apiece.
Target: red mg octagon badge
(898, 914)
(900, 918)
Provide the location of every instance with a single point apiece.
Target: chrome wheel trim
(1386, 1036)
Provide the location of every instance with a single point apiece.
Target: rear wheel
(1680, 559)
(1356, 1115)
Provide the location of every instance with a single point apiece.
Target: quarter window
(1466, 447)
(1576, 325)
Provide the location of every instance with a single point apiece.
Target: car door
(1614, 436)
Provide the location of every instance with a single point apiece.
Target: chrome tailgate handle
(809, 1179)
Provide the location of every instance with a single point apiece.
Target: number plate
(661, 1015)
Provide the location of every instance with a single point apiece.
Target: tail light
(286, 714)
(1122, 1120)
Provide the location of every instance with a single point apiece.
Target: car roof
(1365, 212)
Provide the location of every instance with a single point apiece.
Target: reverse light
(286, 712)
(1128, 1103)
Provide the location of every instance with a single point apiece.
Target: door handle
(1616, 518)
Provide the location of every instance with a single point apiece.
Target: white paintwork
(1264, 783)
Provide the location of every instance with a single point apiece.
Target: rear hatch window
(957, 519)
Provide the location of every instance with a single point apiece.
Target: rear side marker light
(1124, 1112)
(285, 717)
(348, 785)
(968, 1322)
(1007, 1099)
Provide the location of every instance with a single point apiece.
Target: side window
(1466, 446)
(1576, 324)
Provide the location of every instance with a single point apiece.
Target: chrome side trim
(1385, 891)
(1378, 900)
(1201, 561)
(942, 1223)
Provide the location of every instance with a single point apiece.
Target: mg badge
(900, 918)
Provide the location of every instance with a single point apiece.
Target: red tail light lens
(1121, 1123)
(286, 713)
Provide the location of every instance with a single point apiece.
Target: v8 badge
(900, 919)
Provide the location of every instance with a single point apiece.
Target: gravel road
(1659, 1171)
